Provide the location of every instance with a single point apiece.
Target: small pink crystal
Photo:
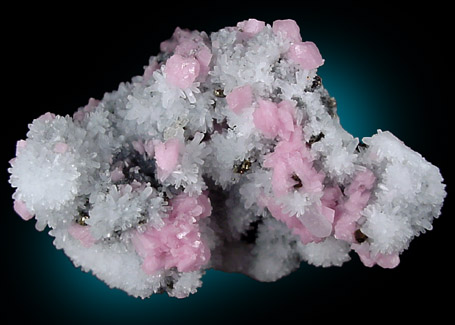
(167, 157)
(288, 28)
(82, 233)
(331, 196)
(92, 104)
(137, 186)
(79, 115)
(178, 36)
(21, 209)
(21, 144)
(251, 26)
(186, 47)
(240, 98)
(60, 147)
(148, 71)
(90, 107)
(203, 56)
(149, 148)
(181, 72)
(139, 146)
(387, 261)
(198, 207)
(306, 54)
(47, 117)
(117, 174)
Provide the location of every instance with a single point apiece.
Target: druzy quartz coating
(227, 153)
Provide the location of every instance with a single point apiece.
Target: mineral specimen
(227, 153)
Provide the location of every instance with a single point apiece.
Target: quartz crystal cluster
(227, 153)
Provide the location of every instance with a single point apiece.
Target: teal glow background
(384, 75)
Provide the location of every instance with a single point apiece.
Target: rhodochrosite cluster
(227, 153)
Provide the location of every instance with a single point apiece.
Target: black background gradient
(385, 64)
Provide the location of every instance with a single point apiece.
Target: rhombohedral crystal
(227, 153)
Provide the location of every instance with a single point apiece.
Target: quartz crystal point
(227, 153)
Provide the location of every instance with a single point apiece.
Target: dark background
(385, 64)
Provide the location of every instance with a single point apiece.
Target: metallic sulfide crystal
(227, 153)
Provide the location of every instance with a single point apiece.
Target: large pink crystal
(274, 119)
(288, 28)
(195, 48)
(178, 243)
(306, 54)
(181, 72)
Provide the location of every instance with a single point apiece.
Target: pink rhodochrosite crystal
(21, 210)
(182, 72)
(226, 153)
(251, 27)
(82, 233)
(60, 147)
(178, 243)
(288, 29)
(274, 119)
(240, 98)
(166, 157)
(357, 197)
(306, 54)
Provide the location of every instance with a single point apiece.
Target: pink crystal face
(179, 36)
(21, 210)
(198, 50)
(167, 157)
(117, 174)
(192, 58)
(251, 27)
(178, 243)
(82, 234)
(306, 54)
(60, 147)
(274, 119)
(358, 195)
(240, 98)
(288, 29)
(90, 107)
(182, 72)
(387, 261)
